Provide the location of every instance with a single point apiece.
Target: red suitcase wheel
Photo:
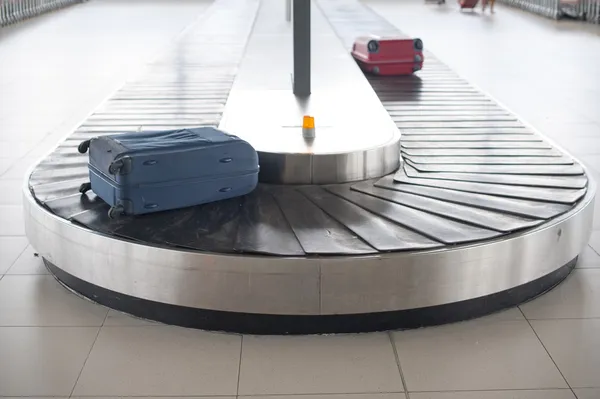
(418, 43)
(373, 46)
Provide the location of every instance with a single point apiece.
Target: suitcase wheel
(85, 187)
(83, 146)
(418, 58)
(373, 46)
(376, 70)
(115, 167)
(418, 43)
(115, 211)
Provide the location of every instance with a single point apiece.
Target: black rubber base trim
(263, 324)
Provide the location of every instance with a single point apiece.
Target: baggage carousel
(458, 210)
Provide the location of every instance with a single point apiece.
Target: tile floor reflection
(56, 68)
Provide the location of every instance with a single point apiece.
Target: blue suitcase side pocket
(208, 162)
(181, 194)
(103, 187)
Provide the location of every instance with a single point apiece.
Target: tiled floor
(55, 69)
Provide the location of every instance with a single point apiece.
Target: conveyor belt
(472, 171)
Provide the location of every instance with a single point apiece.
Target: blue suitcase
(137, 173)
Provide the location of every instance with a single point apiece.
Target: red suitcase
(388, 55)
(468, 4)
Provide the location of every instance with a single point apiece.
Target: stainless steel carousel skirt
(483, 213)
(293, 295)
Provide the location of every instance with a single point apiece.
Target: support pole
(301, 26)
(288, 10)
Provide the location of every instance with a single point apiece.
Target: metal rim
(309, 286)
(282, 168)
(263, 324)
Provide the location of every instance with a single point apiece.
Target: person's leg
(492, 5)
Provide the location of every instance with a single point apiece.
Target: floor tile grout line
(500, 390)
(195, 396)
(397, 358)
(332, 394)
(306, 394)
(547, 351)
(563, 318)
(86, 359)
(106, 315)
(17, 258)
(237, 389)
(59, 326)
(348, 394)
